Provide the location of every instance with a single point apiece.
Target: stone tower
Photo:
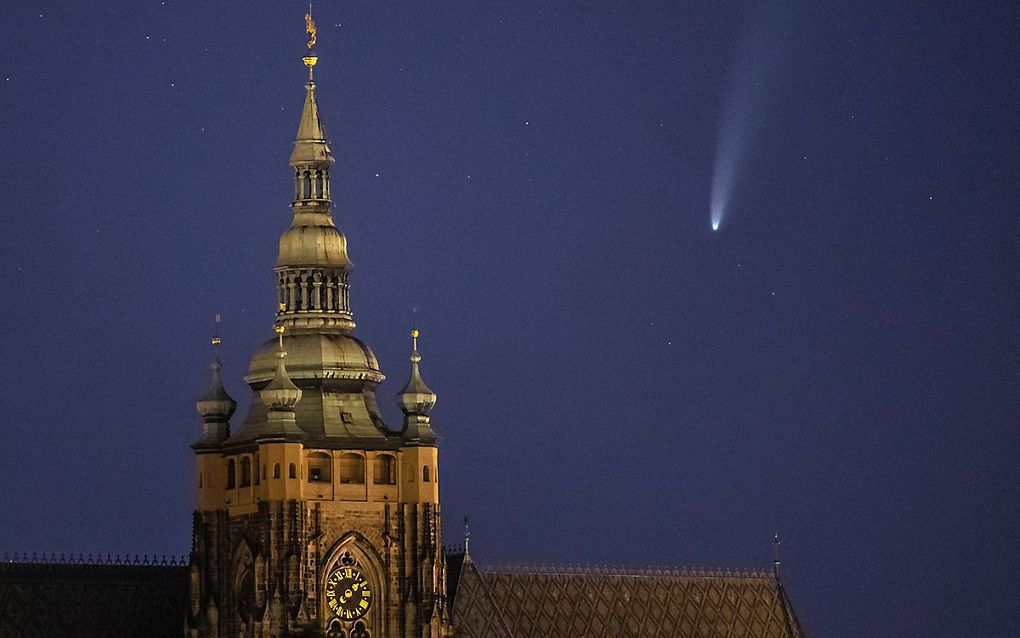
(314, 511)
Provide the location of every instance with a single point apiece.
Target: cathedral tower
(314, 511)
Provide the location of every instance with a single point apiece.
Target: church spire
(416, 401)
(312, 267)
(215, 406)
(280, 396)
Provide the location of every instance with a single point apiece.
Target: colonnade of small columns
(311, 184)
(313, 290)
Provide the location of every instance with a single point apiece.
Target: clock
(348, 594)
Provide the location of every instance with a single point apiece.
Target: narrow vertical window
(230, 474)
(276, 471)
(293, 471)
(425, 473)
(245, 472)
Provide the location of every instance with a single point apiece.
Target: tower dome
(317, 358)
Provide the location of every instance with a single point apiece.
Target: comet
(755, 57)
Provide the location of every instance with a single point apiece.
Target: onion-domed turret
(281, 395)
(216, 406)
(416, 401)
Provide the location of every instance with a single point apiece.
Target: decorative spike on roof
(416, 397)
(281, 395)
(416, 401)
(216, 406)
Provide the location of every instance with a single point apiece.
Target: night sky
(618, 383)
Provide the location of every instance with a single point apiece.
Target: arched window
(276, 471)
(425, 473)
(230, 474)
(385, 470)
(293, 471)
(352, 468)
(245, 471)
(307, 194)
(319, 468)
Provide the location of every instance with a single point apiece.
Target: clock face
(348, 594)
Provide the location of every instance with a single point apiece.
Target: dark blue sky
(617, 383)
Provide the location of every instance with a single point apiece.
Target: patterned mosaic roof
(590, 602)
(87, 599)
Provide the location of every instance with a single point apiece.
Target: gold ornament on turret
(310, 27)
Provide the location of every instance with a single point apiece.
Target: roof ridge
(154, 560)
(623, 570)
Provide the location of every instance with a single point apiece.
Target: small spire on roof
(281, 394)
(215, 406)
(216, 335)
(467, 540)
(775, 555)
(416, 401)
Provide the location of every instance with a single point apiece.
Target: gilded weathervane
(310, 27)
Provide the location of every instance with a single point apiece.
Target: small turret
(216, 406)
(281, 395)
(416, 401)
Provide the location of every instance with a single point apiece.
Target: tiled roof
(594, 602)
(88, 599)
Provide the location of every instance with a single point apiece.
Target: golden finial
(310, 27)
(216, 331)
(279, 329)
(414, 339)
(282, 307)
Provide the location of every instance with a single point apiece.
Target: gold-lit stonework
(348, 594)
